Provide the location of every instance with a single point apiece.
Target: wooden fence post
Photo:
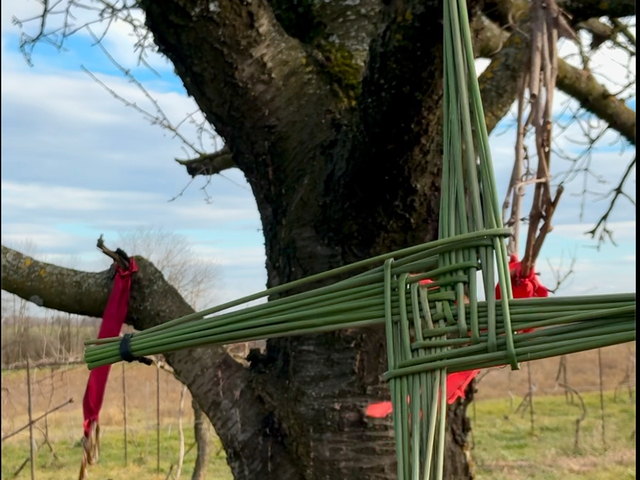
(30, 413)
(530, 397)
(124, 411)
(604, 443)
(158, 417)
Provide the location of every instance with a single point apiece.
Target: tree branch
(600, 31)
(624, 29)
(509, 12)
(581, 10)
(498, 83)
(616, 192)
(262, 71)
(595, 98)
(219, 384)
(209, 163)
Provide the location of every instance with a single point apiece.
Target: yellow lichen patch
(27, 262)
(344, 70)
(42, 272)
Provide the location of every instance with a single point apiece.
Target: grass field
(503, 446)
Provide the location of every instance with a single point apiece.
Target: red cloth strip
(112, 320)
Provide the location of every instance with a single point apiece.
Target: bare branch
(581, 10)
(625, 30)
(24, 427)
(583, 414)
(58, 22)
(600, 31)
(560, 276)
(498, 83)
(159, 117)
(516, 182)
(616, 192)
(209, 163)
(595, 98)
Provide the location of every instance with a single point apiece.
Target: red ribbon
(523, 287)
(112, 320)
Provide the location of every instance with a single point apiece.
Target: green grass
(504, 446)
(142, 458)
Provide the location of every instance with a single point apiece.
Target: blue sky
(76, 163)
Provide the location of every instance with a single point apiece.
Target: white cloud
(45, 239)
(623, 231)
(591, 277)
(68, 205)
(236, 256)
(21, 9)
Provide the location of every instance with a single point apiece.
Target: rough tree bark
(333, 112)
(202, 435)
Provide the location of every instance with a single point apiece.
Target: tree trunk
(202, 435)
(342, 169)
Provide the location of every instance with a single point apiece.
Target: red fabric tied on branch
(457, 382)
(112, 320)
(523, 287)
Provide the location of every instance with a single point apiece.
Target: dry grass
(540, 457)
(582, 374)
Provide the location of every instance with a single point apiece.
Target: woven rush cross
(434, 328)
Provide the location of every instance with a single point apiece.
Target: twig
(604, 443)
(626, 380)
(37, 419)
(45, 441)
(43, 364)
(160, 118)
(172, 466)
(20, 468)
(119, 257)
(547, 25)
(560, 277)
(32, 453)
(562, 373)
(617, 192)
(582, 416)
(624, 29)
